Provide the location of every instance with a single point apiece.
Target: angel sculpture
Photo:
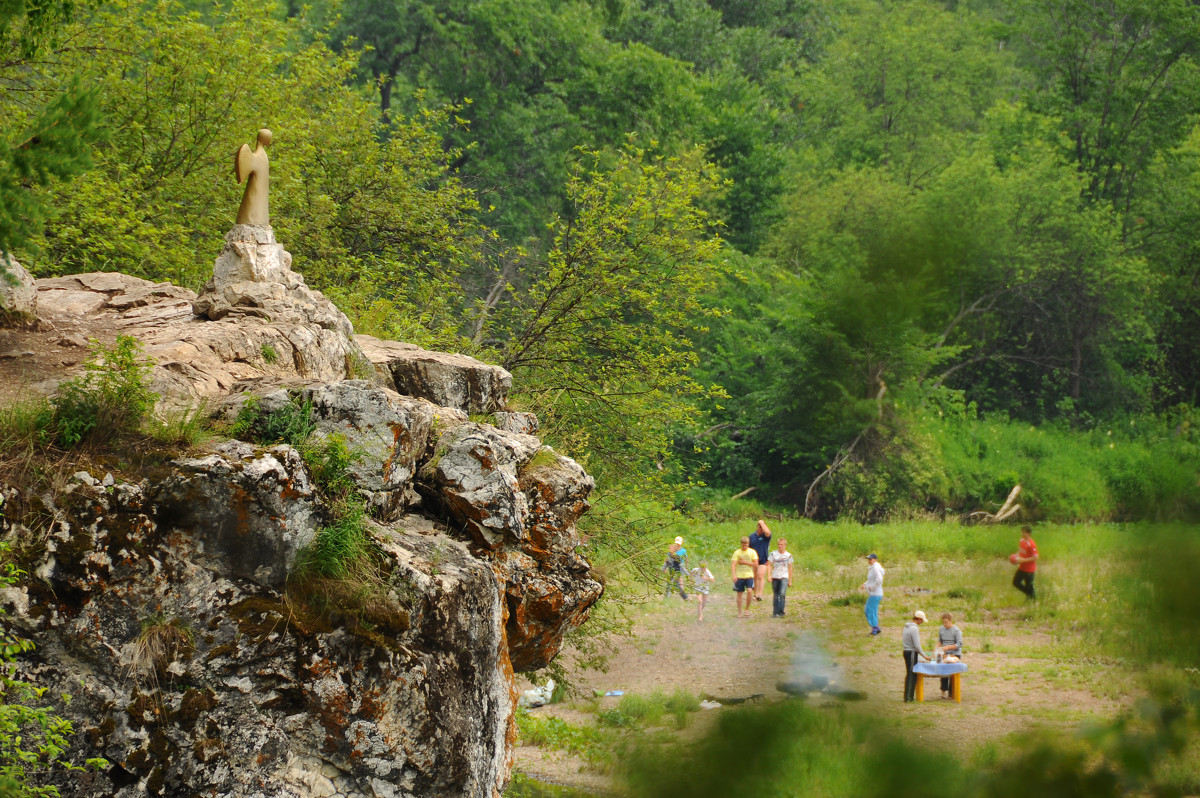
(253, 167)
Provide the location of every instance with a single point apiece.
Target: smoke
(813, 671)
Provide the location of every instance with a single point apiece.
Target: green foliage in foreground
(33, 739)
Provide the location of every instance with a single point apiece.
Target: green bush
(637, 711)
(930, 461)
(111, 397)
(329, 459)
(180, 426)
(291, 424)
(556, 734)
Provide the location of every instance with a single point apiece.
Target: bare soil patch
(33, 362)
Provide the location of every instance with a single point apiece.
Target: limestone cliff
(159, 601)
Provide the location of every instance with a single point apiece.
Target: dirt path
(730, 658)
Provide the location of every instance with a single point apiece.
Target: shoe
(875, 630)
(758, 598)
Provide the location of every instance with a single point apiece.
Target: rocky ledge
(163, 605)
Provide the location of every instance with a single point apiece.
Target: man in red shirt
(1026, 561)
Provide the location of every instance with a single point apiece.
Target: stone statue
(253, 167)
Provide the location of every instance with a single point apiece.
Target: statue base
(253, 277)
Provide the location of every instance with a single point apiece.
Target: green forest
(871, 259)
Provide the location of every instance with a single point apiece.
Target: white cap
(679, 540)
(918, 615)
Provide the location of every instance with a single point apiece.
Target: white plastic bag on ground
(537, 696)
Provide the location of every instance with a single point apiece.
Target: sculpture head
(264, 136)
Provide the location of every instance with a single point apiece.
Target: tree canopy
(746, 234)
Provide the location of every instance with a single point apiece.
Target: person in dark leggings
(1026, 561)
(912, 649)
(674, 569)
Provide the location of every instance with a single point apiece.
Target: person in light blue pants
(874, 588)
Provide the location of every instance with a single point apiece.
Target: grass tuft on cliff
(340, 574)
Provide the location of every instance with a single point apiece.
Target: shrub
(339, 548)
(180, 426)
(291, 424)
(329, 460)
(157, 646)
(1142, 467)
(111, 397)
(636, 711)
(556, 734)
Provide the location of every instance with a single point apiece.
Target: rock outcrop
(18, 295)
(168, 603)
(446, 379)
(255, 320)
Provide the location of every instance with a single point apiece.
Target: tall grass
(639, 711)
(1135, 469)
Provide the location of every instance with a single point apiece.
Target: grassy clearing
(1111, 645)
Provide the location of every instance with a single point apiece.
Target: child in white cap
(911, 638)
(674, 567)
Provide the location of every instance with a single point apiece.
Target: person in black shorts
(741, 569)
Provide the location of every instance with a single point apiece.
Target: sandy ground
(725, 657)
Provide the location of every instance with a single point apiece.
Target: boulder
(519, 501)
(522, 423)
(18, 294)
(404, 690)
(253, 277)
(473, 474)
(196, 359)
(449, 380)
(549, 591)
(250, 511)
(248, 692)
(387, 434)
